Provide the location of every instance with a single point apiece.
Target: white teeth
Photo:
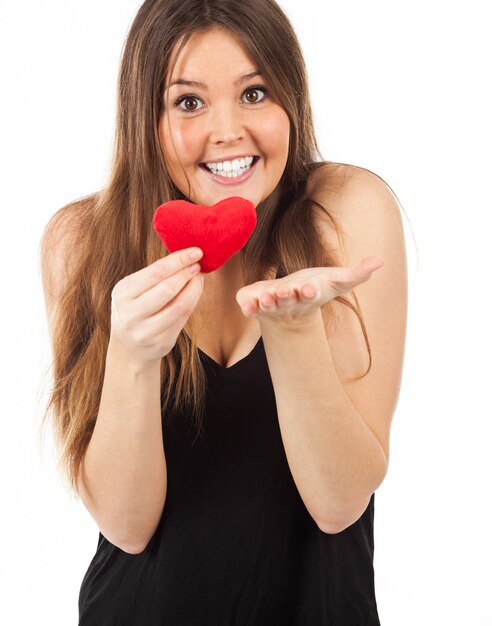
(231, 169)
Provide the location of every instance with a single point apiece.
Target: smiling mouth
(230, 174)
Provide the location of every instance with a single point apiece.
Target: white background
(397, 87)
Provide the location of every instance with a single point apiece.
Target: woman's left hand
(297, 297)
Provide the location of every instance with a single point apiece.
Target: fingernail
(195, 254)
(309, 292)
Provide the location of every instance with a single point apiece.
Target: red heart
(219, 230)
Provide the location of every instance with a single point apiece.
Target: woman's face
(227, 119)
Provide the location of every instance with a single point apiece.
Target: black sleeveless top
(235, 545)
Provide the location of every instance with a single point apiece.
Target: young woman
(226, 431)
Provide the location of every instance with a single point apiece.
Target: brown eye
(193, 101)
(190, 103)
(252, 96)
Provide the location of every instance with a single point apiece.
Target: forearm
(124, 479)
(335, 459)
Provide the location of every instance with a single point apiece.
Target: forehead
(214, 51)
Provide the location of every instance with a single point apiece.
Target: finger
(284, 292)
(310, 292)
(171, 316)
(370, 264)
(267, 301)
(347, 278)
(178, 309)
(286, 295)
(250, 308)
(138, 283)
(163, 293)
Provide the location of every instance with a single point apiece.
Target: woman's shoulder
(68, 224)
(59, 244)
(340, 180)
(68, 219)
(359, 201)
(349, 192)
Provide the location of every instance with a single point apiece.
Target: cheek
(277, 126)
(179, 141)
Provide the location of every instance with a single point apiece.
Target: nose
(226, 126)
(230, 137)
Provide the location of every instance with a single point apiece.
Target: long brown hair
(115, 236)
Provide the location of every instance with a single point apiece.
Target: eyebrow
(194, 83)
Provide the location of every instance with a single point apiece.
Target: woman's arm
(336, 433)
(335, 460)
(123, 476)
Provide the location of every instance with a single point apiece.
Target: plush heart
(219, 230)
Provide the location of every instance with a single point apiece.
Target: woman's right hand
(150, 307)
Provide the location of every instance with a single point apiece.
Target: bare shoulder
(58, 252)
(355, 197)
(361, 218)
(58, 243)
(339, 176)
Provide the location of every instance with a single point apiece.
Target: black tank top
(235, 545)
